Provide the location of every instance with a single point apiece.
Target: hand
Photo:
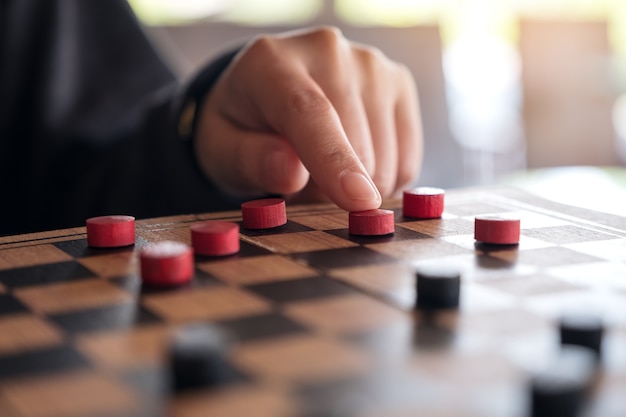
(312, 107)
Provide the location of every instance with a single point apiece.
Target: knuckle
(338, 157)
(328, 35)
(330, 46)
(307, 100)
(261, 47)
(372, 60)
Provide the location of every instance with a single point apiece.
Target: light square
(214, 303)
(31, 256)
(74, 295)
(256, 270)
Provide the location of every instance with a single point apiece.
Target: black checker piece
(45, 274)
(116, 317)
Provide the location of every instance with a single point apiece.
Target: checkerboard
(324, 320)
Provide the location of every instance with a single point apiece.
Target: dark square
(50, 360)
(259, 327)
(358, 395)
(300, 289)
(491, 248)
(343, 258)
(245, 250)
(289, 227)
(116, 317)
(398, 217)
(45, 274)
(11, 305)
(484, 261)
(134, 285)
(78, 248)
(400, 234)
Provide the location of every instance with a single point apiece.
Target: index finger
(295, 106)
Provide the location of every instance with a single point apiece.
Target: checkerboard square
(300, 359)
(74, 394)
(246, 250)
(441, 227)
(73, 295)
(545, 257)
(78, 248)
(11, 305)
(135, 348)
(567, 234)
(471, 208)
(41, 361)
(413, 250)
(216, 303)
(300, 289)
(324, 221)
(344, 314)
(44, 274)
(400, 233)
(111, 265)
(244, 271)
(115, 317)
(289, 227)
(240, 400)
(342, 258)
(26, 332)
(302, 242)
(394, 282)
(26, 256)
(262, 326)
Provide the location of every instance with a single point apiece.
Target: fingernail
(276, 167)
(358, 187)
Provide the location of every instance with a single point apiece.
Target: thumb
(244, 163)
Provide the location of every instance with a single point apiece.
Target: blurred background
(505, 85)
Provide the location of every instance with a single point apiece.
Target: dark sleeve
(90, 118)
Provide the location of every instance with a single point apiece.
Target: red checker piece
(215, 238)
(166, 263)
(423, 202)
(264, 214)
(497, 230)
(110, 231)
(371, 222)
